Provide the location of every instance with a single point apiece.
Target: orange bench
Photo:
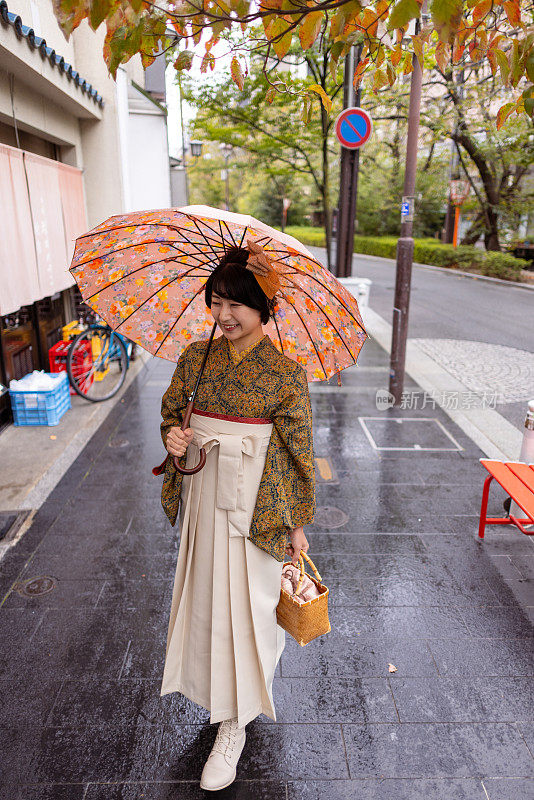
(517, 480)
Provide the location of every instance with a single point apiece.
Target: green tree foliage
(269, 128)
(453, 32)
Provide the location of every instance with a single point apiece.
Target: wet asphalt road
(445, 305)
(410, 585)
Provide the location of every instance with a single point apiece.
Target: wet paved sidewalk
(410, 586)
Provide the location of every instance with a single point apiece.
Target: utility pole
(454, 170)
(226, 149)
(405, 243)
(348, 176)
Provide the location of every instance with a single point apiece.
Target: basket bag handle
(302, 571)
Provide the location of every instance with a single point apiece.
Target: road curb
(472, 275)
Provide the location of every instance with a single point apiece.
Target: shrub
(427, 251)
(503, 265)
(314, 237)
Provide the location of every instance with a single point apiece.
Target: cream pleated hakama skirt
(223, 640)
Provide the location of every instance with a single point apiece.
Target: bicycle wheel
(97, 363)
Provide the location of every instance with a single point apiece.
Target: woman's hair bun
(235, 255)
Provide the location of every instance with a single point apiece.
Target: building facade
(73, 151)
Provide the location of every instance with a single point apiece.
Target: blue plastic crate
(41, 407)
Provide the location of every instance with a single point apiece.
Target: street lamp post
(196, 152)
(226, 149)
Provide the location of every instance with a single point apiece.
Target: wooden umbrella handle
(202, 461)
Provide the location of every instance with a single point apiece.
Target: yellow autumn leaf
(326, 101)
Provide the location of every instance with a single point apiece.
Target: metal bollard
(527, 453)
(359, 288)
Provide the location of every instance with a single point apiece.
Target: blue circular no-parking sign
(353, 127)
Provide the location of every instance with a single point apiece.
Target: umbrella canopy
(144, 274)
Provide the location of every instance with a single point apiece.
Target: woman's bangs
(230, 286)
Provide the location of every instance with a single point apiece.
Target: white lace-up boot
(220, 768)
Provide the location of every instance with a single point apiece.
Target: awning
(43, 212)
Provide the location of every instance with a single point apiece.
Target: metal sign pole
(348, 176)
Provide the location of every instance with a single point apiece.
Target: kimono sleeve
(293, 422)
(174, 401)
(173, 405)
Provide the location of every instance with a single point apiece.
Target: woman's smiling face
(236, 320)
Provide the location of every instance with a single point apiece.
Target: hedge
(427, 251)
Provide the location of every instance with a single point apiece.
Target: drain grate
(35, 587)
(330, 517)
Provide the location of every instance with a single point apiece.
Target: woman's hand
(298, 543)
(177, 440)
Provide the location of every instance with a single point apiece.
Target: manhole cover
(330, 517)
(119, 443)
(34, 587)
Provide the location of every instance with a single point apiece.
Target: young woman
(253, 417)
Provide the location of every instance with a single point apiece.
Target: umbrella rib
(130, 225)
(114, 283)
(311, 339)
(300, 289)
(222, 238)
(278, 332)
(127, 247)
(313, 278)
(206, 239)
(146, 301)
(230, 232)
(209, 228)
(245, 229)
(176, 320)
(192, 255)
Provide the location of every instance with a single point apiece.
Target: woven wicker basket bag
(304, 621)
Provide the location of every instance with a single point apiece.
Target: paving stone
(186, 790)
(497, 622)
(387, 789)
(443, 750)
(458, 699)
(407, 621)
(509, 788)
(498, 657)
(78, 755)
(333, 700)
(363, 657)
(99, 566)
(96, 701)
(49, 791)
(17, 628)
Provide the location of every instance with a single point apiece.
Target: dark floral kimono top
(263, 383)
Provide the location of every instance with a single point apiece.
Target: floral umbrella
(144, 274)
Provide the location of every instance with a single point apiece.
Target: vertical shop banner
(19, 279)
(43, 211)
(48, 225)
(73, 205)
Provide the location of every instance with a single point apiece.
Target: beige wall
(54, 115)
